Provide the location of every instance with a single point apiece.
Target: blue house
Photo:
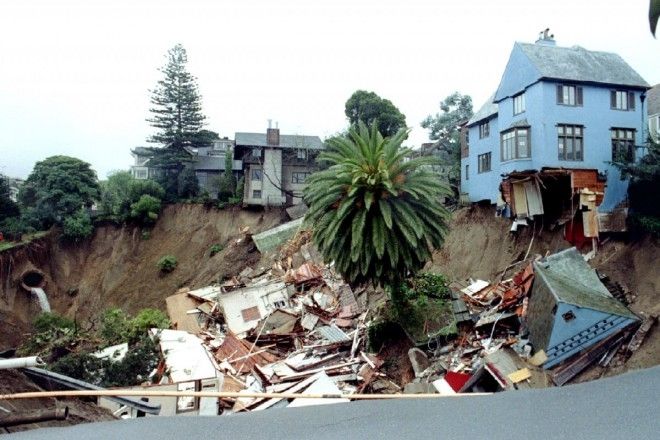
(570, 309)
(562, 110)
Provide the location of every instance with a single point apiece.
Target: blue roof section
(530, 63)
(486, 111)
(581, 65)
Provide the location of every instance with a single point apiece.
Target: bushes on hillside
(68, 349)
(167, 263)
(77, 227)
(146, 209)
(126, 198)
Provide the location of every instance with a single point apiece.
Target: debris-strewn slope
(117, 266)
(480, 245)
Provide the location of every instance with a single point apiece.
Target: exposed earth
(117, 267)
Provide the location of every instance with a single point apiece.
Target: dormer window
(519, 104)
(301, 153)
(484, 130)
(622, 100)
(569, 95)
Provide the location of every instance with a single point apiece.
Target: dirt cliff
(117, 266)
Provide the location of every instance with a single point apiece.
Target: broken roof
(185, 356)
(573, 281)
(286, 141)
(579, 64)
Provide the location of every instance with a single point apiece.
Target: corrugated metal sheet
(332, 334)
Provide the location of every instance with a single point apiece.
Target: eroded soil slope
(117, 266)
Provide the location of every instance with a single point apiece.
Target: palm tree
(376, 215)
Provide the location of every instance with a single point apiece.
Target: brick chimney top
(273, 136)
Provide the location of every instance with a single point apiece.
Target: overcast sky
(75, 75)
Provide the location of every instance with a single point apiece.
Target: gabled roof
(142, 151)
(486, 111)
(653, 98)
(571, 280)
(581, 65)
(286, 141)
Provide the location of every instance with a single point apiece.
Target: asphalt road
(621, 407)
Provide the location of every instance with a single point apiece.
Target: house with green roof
(570, 309)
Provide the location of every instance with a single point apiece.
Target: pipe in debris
(225, 394)
(35, 416)
(24, 362)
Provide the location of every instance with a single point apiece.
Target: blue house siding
(482, 186)
(518, 74)
(586, 329)
(543, 115)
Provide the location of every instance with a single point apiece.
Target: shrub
(433, 285)
(13, 228)
(215, 249)
(167, 263)
(115, 326)
(146, 319)
(146, 209)
(77, 227)
(51, 321)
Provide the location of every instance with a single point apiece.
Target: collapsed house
(570, 309)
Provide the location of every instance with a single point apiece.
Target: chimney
(546, 39)
(273, 136)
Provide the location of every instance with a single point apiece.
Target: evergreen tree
(176, 112)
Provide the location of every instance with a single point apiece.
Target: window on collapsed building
(622, 100)
(515, 144)
(187, 403)
(483, 163)
(251, 314)
(569, 95)
(299, 177)
(256, 194)
(519, 104)
(257, 175)
(623, 144)
(467, 172)
(570, 142)
(484, 130)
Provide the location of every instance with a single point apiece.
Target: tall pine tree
(176, 112)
